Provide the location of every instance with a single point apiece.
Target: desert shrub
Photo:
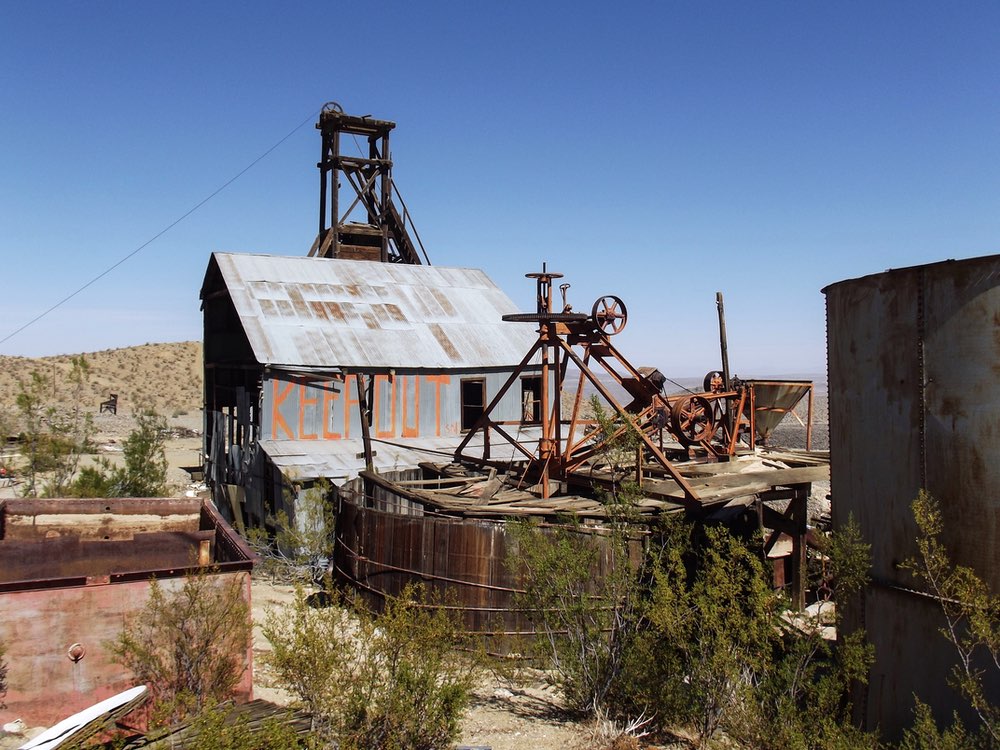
(801, 697)
(221, 728)
(94, 481)
(695, 637)
(144, 473)
(711, 616)
(584, 621)
(189, 645)
(297, 548)
(925, 734)
(374, 683)
(972, 627)
(54, 440)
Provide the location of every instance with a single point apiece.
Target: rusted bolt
(76, 652)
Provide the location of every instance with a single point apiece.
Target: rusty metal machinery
(696, 421)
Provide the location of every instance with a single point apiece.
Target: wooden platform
(716, 485)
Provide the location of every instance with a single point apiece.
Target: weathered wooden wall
(470, 563)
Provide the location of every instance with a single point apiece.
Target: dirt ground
(501, 716)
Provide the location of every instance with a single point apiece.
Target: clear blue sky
(660, 151)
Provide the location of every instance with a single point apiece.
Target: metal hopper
(773, 399)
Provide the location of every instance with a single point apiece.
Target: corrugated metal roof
(321, 312)
(337, 460)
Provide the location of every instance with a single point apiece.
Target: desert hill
(165, 376)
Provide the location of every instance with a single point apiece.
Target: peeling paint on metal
(319, 312)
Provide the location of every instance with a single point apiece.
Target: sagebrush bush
(189, 644)
(385, 682)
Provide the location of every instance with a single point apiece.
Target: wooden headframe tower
(358, 217)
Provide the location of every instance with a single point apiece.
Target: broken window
(473, 401)
(531, 399)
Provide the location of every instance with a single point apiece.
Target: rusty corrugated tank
(914, 361)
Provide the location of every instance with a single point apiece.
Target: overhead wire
(163, 231)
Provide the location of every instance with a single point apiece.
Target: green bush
(299, 548)
(391, 682)
(584, 621)
(144, 473)
(696, 637)
(972, 628)
(53, 440)
(189, 645)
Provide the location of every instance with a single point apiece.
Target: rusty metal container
(914, 379)
(72, 570)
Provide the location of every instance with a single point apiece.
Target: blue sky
(657, 151)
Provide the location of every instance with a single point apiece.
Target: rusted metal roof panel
(320, 312)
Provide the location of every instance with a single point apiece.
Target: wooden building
(315, 367)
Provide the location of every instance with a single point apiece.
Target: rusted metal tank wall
(466, 561)
(405, 405)
(914, 362)
(73, 570)
(39, 626)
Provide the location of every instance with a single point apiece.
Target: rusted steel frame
(484, 417)
(235, 542)
(579, 457)
(657, 453)
(809, 420)
(513, 441)
(734, 424)
(577, 403)
(546, 335)
(557, 405)
(613, 352)
(68, 582)
(724, 346)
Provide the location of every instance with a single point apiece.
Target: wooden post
(724, 346)
(366, 435)
(798, 516)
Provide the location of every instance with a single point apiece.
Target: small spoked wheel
(610, 314)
